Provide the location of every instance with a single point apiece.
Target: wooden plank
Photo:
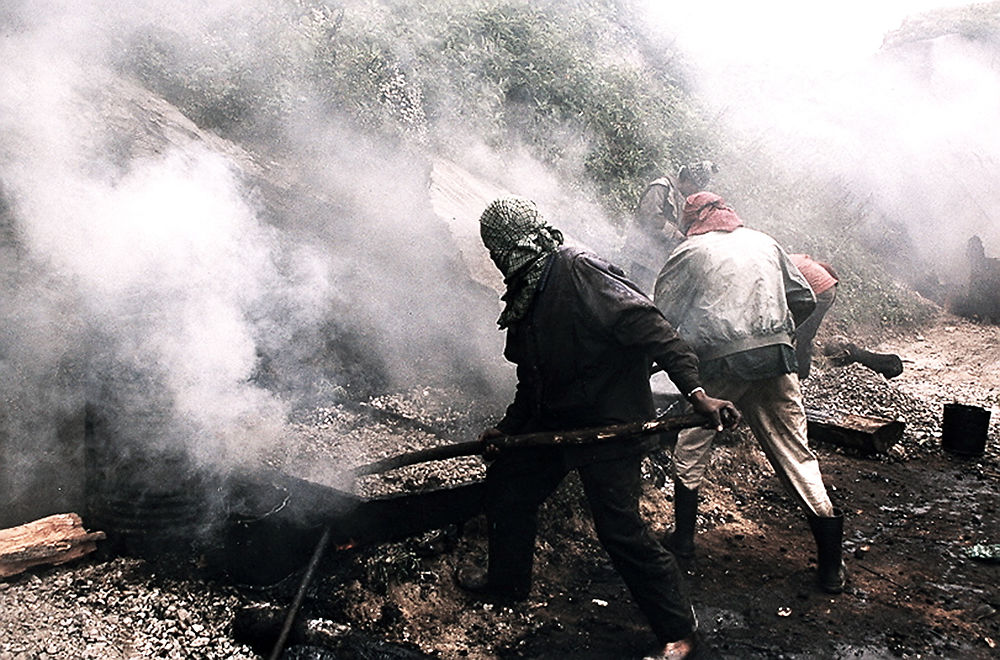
(870, 435)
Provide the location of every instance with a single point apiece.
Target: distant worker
(735, 296)
(582, 337)
(654, 231)
(823, 279)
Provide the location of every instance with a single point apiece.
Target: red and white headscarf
(704, 212)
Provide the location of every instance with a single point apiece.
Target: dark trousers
(805, 333)
(518, 483)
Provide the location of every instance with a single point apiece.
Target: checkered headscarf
(518, 240)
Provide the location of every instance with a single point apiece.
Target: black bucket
(964, 429)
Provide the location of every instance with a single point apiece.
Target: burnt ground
(913, 518)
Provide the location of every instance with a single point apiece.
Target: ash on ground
(323, 444)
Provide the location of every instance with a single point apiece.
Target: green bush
(543, 70)
(547, 76)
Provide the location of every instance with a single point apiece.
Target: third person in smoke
(654, 229)
(735, 296)
(583, 338)
(822, 278)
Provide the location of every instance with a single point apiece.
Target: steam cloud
(146, 270)
(908, 126)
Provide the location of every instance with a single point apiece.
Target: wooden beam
(870, 435)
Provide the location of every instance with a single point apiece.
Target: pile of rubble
(855, 389)
(324, 444)
(121, 608)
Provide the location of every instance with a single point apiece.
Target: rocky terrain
(920, 526)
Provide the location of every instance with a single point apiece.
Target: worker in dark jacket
(583, 338)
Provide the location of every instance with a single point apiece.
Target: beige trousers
(772, 408)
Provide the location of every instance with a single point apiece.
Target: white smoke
(146, 267)
(164, 258)
(909, 126)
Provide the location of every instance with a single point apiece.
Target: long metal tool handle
(300, 595)
(545, 439)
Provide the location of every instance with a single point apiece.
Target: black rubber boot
(831, 573)
(681, 540)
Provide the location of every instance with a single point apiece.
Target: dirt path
(952, 359)
(914, 592)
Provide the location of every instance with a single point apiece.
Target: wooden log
(870, 435)
(54, 539)
(842, 353)
(594, 435)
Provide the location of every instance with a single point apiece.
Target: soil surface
(921, 526)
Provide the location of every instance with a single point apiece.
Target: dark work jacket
(584, 350)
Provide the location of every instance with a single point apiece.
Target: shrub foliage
(584, 85)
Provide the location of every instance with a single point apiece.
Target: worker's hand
(721, 414)
(486, 438)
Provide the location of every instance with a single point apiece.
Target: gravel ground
(858, 390)
(324, 442)
(125, 607)
(121, 607)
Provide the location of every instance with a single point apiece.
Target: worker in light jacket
(583, 338)
(735, 296)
